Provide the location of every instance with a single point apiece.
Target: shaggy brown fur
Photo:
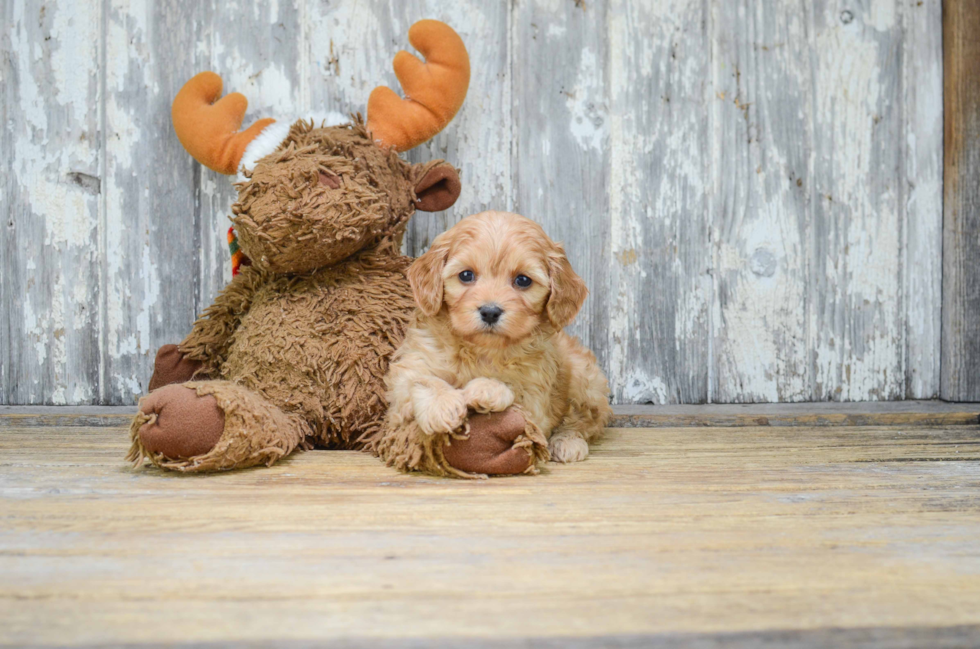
(298, 343)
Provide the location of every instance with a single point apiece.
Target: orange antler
(208, 129)
(435, 89)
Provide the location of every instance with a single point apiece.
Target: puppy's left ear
(425, 275)
(437, 187)
(568, 291)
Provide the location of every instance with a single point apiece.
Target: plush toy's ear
(568, 291)
(438, 188)
(425, 275)
(208, 126)
(435, 89)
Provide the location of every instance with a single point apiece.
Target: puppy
(494, 293)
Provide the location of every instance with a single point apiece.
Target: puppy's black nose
(490, 313)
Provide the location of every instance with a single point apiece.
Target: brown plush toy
(293, 352)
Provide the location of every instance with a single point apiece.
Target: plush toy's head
(311, 196)
(329, 192)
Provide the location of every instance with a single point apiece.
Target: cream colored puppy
(494, 293)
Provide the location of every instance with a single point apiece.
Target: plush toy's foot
(171, 367)
(212, 426)
(179, 423)
(493, 446)
(501, 443)
(489, 447)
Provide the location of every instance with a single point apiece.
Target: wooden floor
(773, 536)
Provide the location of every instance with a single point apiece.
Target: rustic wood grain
(674, 531)
(947, 637)
(6, 150)
(856, 317)
(751, 190)
(50, 201)
(793, 414)
(657, 307)
(762, 140)
(961, 224)
(923, 196)
(873, 413)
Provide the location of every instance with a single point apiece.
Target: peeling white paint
(72, 23)
(682, 147)
(587, 104)
(355, 32)
(863, 271)
(923, 83)
(656, 201)
(640, 388)
(624, 234)
(53, 129)
(883, 14)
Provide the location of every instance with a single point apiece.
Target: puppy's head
(499, 277)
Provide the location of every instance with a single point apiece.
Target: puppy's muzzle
(490, 314)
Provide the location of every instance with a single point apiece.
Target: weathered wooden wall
(961, 226)
(751, 188)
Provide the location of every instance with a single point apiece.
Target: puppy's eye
(467, 276)
(522, 281)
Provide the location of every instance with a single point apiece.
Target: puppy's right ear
(568, 291)
(425, 276)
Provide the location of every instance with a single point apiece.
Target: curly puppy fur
(454, 359)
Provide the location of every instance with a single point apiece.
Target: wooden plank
(150, 241)
(922, 67)
(780, 415)
(950, 637)
(653, 299)
(50, 197)
(85, 416)
(762, 143)
(876, 413)
(699, 533)
(561, 142)
(680, 311)
(961, 206)
(856, 317)
(6, 150)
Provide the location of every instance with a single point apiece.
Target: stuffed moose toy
(293, 352)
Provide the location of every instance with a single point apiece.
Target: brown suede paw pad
(181, 424)
(489, 447)
(171, 367)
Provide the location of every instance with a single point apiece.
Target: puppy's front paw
(568, 448)
(441, 412)
(488, 395)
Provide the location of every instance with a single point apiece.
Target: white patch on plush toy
(265, 143)
(273, 135)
